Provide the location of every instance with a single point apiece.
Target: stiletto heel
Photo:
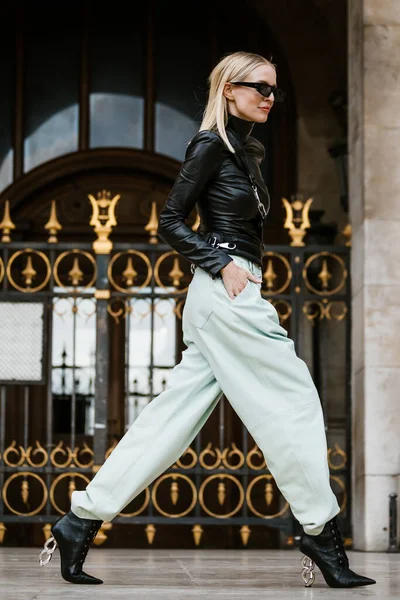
(307, 573)
(47, 551)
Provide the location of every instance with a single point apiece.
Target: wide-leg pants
(238, 348)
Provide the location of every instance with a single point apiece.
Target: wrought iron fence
(85, 290)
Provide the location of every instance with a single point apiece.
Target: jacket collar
(240, 127)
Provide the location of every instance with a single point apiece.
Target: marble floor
(175, 574)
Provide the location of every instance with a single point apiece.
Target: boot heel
(307, 573)
(47, 551)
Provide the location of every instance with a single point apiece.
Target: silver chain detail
(47, 551)
(307, 572)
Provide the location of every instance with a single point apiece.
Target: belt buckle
(228, 245)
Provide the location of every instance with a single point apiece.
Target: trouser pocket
(199, 304)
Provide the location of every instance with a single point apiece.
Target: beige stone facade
(374, 144)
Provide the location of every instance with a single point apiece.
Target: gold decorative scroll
(152, 225)
(174, 477)
(325, 273)
(271, 277)
(347, 233)
(103, 220)
(129, 274)
(53, 224)
(24, 475)
(29, 272)
(245, 534)
(222, 477)
(150, 533)
(101, 534)
(197, 531)
(267, 496)
(175, 275)
(3, 530)
(71, 487)
(71, 456)
(75, 274)
(6, 225)
(24, 456)
(297, 221)
(334, 452)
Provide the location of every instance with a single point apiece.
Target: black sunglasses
(265, 89)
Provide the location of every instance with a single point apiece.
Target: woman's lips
(265, 108)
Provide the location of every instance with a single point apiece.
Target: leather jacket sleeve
(203, 156)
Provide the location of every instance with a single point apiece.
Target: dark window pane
(182, 68)
(7, 44)
(52, 83)
(117, 43)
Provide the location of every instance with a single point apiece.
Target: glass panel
(181, 78)
(74, 354)
(117, 63)
(7, 66)
(139, 371)
(52, 85)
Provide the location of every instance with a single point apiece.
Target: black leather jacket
(213, 179)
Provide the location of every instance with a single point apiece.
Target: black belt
(230, 242)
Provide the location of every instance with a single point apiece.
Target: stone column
(374, 171)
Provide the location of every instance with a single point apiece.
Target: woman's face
(246, 102)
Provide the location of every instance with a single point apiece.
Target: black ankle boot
(73, 536)
(328, 553)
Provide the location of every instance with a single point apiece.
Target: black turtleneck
(240, 126)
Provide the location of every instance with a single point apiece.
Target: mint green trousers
(238, 348)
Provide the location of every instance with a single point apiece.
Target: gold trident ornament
(103, 220)
(298, 224)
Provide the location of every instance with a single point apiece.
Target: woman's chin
(261, 116)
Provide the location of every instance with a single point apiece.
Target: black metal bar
(26, 416)
(102, 360)
(245, 469)
(49, 390)
(278, 523)
(3, 394)
(221, 426)
(297, 294)
(393, 544)
(73, 393)
(127, 394)
(348, 399)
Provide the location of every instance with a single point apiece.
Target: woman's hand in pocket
(235, 278)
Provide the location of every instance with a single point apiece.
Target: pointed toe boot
(73, 537)
(326, 550)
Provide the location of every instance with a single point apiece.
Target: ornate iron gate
(222, 479)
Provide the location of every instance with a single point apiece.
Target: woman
(235, 344)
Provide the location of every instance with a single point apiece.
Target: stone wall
(374, 142)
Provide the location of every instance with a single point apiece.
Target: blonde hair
(233, 66)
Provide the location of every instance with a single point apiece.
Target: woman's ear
(227, 91)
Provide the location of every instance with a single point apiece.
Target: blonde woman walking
(235, 344)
